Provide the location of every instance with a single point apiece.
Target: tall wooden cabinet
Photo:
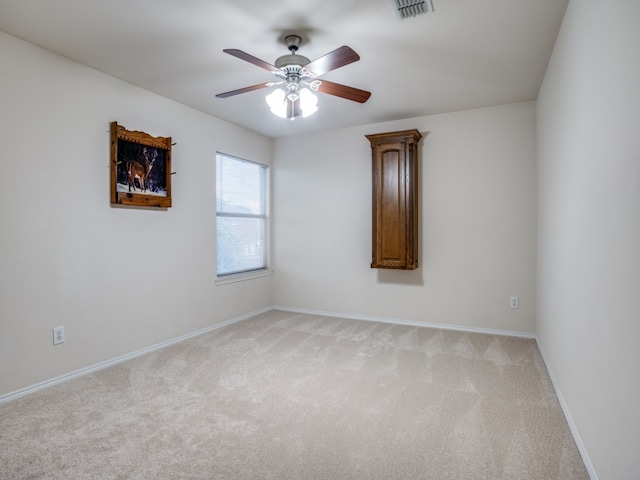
(395, 199)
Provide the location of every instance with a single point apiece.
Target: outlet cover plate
(58, 335)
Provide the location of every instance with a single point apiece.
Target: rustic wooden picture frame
(140, 168)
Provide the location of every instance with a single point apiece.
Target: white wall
(478, 222)
(589, 229)
(118, 279)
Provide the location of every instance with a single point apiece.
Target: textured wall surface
(589, 229)
(478, 220)
(118, 279)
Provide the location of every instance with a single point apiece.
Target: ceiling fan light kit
(294, 95)
(282, 104)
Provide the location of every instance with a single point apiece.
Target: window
(241, 216)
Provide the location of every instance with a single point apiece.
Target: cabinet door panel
(395, 214)
(392, 224)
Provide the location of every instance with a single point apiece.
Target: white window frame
(260, 272)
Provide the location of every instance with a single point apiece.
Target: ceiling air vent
(411, 8)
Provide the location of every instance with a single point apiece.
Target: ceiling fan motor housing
(291, 60)
(292, 66)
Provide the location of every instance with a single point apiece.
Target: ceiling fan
(297, 79)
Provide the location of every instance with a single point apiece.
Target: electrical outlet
(296, 287)
(58, 335)
(515, 302)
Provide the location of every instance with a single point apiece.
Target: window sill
(241, 277)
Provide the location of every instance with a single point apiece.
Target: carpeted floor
(289, 396)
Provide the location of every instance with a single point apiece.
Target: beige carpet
(290, 396)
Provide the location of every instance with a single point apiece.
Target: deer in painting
(141, 171)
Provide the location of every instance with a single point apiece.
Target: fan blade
(339, 90)
(251, 59)
(338, 58)
(244, 90)
(293, 109)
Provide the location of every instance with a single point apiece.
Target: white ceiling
(467, 54)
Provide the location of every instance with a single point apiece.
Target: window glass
(241, 215)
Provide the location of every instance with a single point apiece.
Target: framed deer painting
(140, 168)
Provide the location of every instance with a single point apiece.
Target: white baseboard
(123, 358)
(567, 414)
(411, 323)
